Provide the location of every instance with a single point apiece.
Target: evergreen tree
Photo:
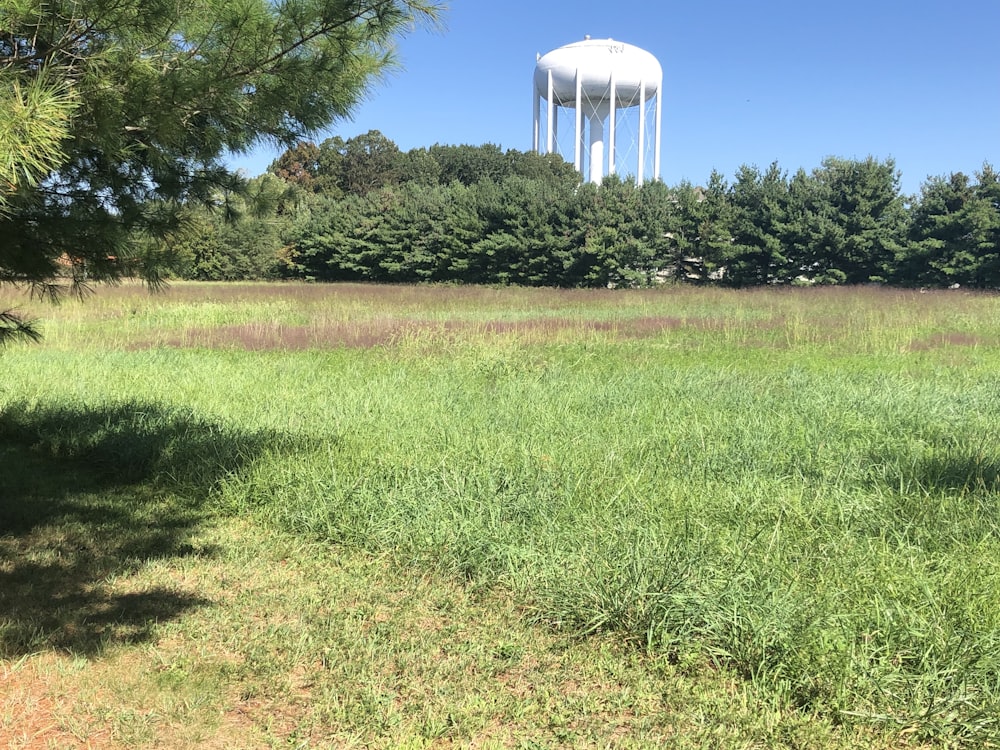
(715, 234)
(759, 204)
(955, 233)
(620, 247)
(528, 232)
(686, 217)
(853, 224)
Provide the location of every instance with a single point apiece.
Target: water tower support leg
(536, 120)
(659, 132)
(549, 115)
(578, 159)
(611, 124)
(642, 131)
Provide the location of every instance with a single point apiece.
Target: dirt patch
(34, 715)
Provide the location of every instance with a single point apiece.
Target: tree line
(363, 210)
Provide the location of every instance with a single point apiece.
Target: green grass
(774, 512)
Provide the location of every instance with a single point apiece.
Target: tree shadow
(964, 472)
(943, 498)
(967, 471)
(89, 496)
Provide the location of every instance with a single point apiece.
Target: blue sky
(744, 83)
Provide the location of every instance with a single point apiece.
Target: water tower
(597, 78)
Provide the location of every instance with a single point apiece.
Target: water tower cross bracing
(597, 78)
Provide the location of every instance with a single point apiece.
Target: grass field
(335, 516)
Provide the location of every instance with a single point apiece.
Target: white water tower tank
(597, 78)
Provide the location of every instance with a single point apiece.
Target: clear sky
(744, 83)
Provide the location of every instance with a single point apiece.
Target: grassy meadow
(251, 515)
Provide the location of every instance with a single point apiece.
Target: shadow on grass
(944, 500)
(87, 498)
(965, 472)
(943, 470)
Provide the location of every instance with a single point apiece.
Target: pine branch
(13, 327)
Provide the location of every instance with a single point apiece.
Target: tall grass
(799, 486)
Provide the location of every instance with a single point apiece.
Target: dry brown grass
(950, 339)
(298, 316)
(383, 332)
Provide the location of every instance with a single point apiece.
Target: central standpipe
(595, 124)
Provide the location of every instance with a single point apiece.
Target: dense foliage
(362, 210)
